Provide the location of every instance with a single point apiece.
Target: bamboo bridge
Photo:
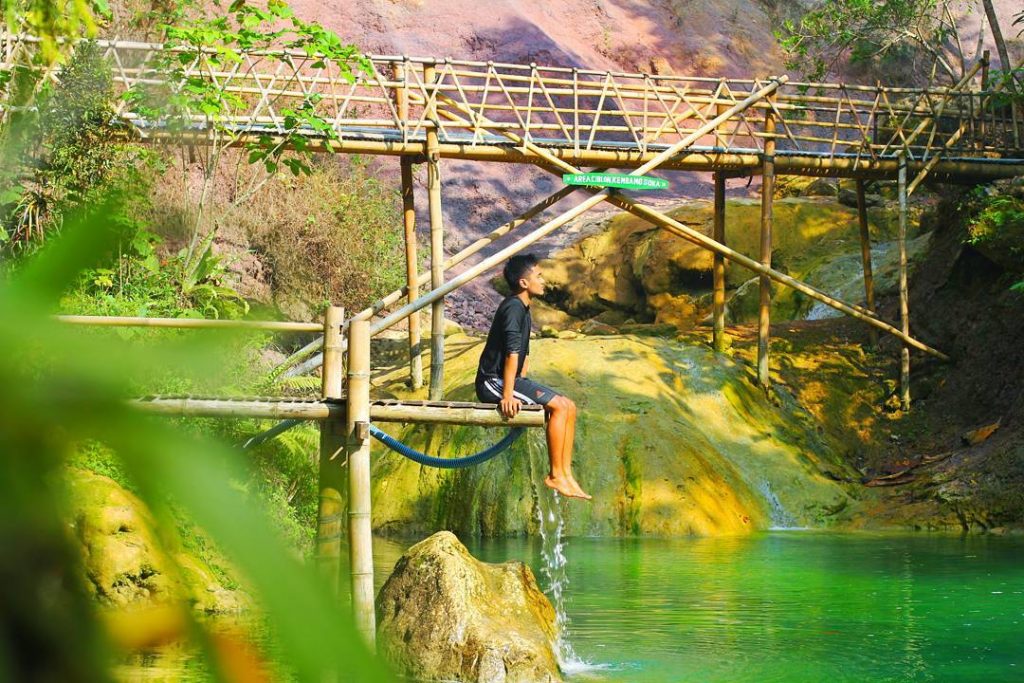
(562, 120)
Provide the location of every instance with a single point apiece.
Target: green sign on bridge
(620, 180)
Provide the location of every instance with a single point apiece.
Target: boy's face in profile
(533, 281)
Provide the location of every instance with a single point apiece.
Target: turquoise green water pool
(778, 606)
(794, 606)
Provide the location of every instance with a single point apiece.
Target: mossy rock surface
(130, 560)
(672, 440)
(651, 275)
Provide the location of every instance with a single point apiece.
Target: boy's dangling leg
(561, 432)
(570, 435)
(557, 415)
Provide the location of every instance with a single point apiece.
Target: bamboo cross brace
(706, 242)
(702, 240)
(423, 278)
(936, 111)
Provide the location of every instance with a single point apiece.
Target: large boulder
(445, 616)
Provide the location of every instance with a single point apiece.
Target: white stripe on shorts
(497, 385)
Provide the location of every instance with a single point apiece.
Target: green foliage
(331, 237)
(865, 31)
(219, 43)
(62, 388)
(72, 149)
(995, 225)
(53, 20)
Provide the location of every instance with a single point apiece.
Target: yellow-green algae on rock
(672, 440)
(127, 560)
(633, 266)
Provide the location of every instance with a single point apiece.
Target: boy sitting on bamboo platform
(501, 375)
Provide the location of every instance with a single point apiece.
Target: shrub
(333, 237)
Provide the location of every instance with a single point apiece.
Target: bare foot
(580, 493)
(561, 485)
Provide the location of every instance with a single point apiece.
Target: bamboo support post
(409, 225)
(865, 256)
(979, 142)
(332, 440)
(767, 200)
(904, 295)
(357, 441)
(436, 243)
(411, 273)
(718, 339)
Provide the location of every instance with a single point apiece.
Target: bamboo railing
(592, 117)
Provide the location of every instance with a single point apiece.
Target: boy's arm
(509, 403)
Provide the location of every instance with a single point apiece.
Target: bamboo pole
(904, 295)
(979, 143)
(767, 202)
(357, 431)
(411, 274)
(189, 323)
(436, 243)
(865, 256)
(409, 225)
(331, 476)
(718, 339)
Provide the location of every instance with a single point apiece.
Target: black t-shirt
(510, 333)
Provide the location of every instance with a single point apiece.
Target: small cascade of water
(779, 517)
(551, 525)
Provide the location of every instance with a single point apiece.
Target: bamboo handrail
(451, 413)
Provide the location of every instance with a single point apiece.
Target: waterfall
(780, 518)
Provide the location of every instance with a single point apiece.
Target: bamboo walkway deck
(596, 118)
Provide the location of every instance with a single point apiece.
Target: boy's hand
(510, 407)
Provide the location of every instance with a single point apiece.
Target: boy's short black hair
(516, 268)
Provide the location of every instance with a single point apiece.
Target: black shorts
(488, 390)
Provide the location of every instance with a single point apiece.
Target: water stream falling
(780, 518)
(551, 525)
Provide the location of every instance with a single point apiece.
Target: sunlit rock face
(626, 268)
(127, 561)
(445, 616)
(672, 440)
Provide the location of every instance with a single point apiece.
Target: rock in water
(444, 615)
